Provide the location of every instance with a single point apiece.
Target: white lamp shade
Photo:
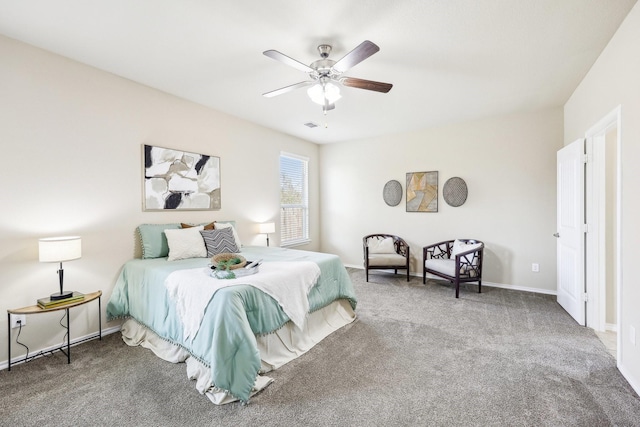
(58, 249)
(267, 227)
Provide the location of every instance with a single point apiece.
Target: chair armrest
(401, 247)
(470, 262)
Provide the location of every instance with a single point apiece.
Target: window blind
(294, 200)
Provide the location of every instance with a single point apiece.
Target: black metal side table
(36, 309)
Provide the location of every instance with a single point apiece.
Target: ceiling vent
(311, 125)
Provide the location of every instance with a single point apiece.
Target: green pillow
(153, 240)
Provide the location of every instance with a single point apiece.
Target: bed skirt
(276, 349)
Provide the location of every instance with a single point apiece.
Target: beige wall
(509, 165)
(613, 81)
(71, 140)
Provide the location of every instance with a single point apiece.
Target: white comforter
(288, 283)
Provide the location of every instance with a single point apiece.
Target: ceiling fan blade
(274, 54)
(356, 56)
(287, 89)
(366, 84)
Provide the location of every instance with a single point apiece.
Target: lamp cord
(66, 334)
(42, 352)
(18, 342)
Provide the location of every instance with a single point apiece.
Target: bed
(242, 332)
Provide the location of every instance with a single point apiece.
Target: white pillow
(219, 225)
(460, 246)
(185, 243)
(381, 246)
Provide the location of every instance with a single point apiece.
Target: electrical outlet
(535, 267)
(632, 334)
(18, 320)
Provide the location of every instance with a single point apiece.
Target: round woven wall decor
(455, 191)
(392, 193)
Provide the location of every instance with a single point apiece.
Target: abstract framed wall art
(422, 192)
(180, 180)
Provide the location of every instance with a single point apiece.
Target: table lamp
(58, 249)
(266, 228)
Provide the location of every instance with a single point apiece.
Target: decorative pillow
(219, 241)
(153, 240)
(186, 243)
(460, 246)
(229, 224)
(379, 245)
(209, 226)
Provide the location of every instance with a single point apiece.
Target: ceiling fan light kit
(323, 93)
(326, 74)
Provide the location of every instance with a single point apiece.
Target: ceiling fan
(325, 72)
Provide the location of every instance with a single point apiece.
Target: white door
(571, 229)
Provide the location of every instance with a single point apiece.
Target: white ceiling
(449, 60)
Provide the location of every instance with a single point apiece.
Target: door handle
(556, 235)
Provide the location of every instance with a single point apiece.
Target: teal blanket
(235, 315)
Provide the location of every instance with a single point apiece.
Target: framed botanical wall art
(422, 192)
(175, 179)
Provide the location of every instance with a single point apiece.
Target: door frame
(595, 212)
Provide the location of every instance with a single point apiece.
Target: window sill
(295, 243)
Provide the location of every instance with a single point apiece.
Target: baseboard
(633, 382)
(611, 327)
(16, 360)
(484, 283)
(519, 288)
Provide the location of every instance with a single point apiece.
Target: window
(294, 200)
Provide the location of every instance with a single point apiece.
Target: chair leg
(457, 288)
(407, 274)
(479, 286)
(366, 273)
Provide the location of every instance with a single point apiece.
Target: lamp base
(61, 295)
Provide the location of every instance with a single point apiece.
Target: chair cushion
(443, 266)
(448, 267)
(387, 260)
(381, 245)
(460, 246)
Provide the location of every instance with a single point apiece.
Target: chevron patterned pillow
(219, 241)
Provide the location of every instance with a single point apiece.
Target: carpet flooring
(416, 356)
